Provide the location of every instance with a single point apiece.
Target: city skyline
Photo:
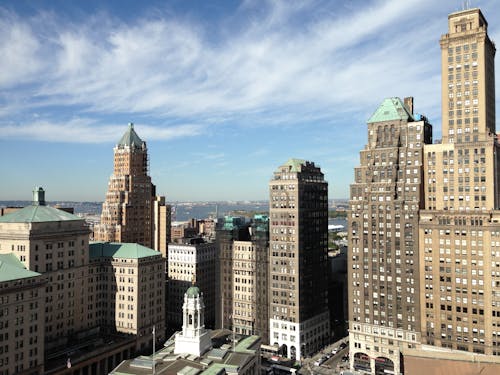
(237, 90)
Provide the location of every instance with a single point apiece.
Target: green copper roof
(12, 268)
(120, 250)
(391, 109)
(295, 164)
(130, 137)
(37, 214)
(193, 291)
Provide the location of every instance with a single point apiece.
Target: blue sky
(223, 92)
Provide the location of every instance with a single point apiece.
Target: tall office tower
(298, 274)
(162, 216)
(197, 260)
(126, 212)
(55, 244)
(460, 226)
(385, 200)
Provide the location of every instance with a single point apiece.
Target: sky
(223, 92)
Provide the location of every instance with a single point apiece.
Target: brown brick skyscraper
(126, 213)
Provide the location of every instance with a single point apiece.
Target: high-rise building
(131, 212)
(194, 259)
(298, 230)
(424, 226)
(162, 216)
(244, 264)
(229, 230)
(460, 226)
(385, 199)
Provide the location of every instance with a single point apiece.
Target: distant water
(183, 211)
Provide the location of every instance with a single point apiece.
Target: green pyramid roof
(295, 164)
(130, 137)
(120, 250)
(12, 268)
(391, 109)
(38, 214)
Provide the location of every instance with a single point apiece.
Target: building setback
(298, 265)
(131, 213)
(460, 226)
(385, 200)
(424, 225)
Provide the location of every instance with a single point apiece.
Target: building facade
(244, 263)
(131, 213)
(298, 274)
(385, 199)
(62, 303)
(424, 225)
(127, 288)
(186, 262)
(460, 226)
(22, 319)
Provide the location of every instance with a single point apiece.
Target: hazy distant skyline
(223, 92)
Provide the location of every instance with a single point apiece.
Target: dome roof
(193, 292)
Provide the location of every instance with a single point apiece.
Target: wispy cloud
(286, 62)
(87, 131)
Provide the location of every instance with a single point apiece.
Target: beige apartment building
(298, 230)
(460, 226)
(131, 213)
(21, 318)
(127, 288)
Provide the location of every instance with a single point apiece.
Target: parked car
(335, 350)
(343, 345)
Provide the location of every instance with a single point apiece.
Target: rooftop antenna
(466, 4)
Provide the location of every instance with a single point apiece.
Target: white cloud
(87, 131)
(286, 62)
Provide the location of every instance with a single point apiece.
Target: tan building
(460, 226)
(54, 243)
(90, 312)
(386, 198)
(131, 213)
(244, 264)
(162, 216)
(298, 264)
(128, 285)
(22, 336)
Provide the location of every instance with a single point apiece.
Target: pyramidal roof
(120, 250)
(294, 164)
(130, 137)
(391, 109)
(12, 268)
